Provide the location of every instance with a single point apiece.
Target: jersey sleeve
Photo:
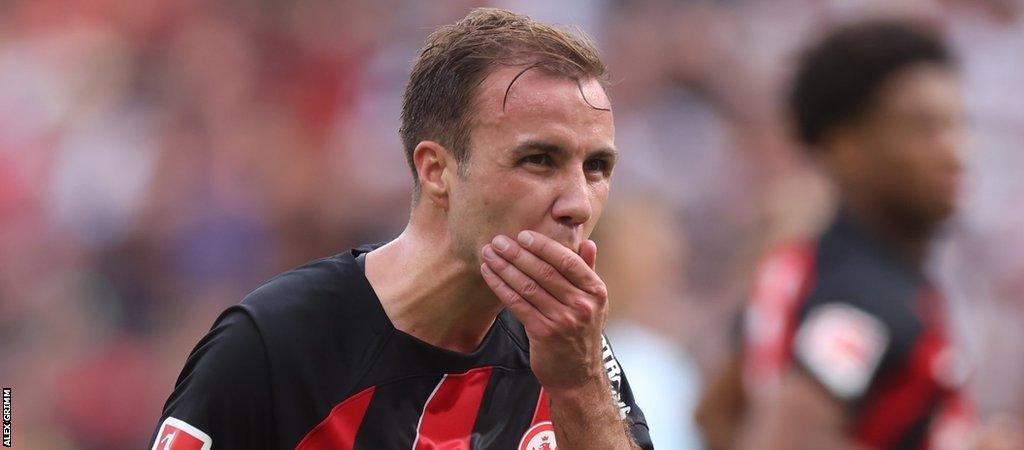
(624, 400)
(842, 345)
(222, 398)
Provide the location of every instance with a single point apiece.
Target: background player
(847, 342)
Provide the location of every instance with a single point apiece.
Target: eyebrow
(557, 151)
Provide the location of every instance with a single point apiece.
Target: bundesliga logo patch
(539, 437)
(843, 346)
(177, 435)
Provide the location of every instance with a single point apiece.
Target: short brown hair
(438, 102)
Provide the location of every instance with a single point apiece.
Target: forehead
(926, 86)
(543, 102)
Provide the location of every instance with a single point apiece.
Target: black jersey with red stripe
(310, 361)
(869, 327)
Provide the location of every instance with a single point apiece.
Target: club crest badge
(539, 437)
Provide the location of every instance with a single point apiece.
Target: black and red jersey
(866, 325)
(310, 361)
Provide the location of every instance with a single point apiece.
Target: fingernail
(502, 242)
(525, 238)
(489, 253)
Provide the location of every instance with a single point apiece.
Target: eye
(540, 159)
(596, 165)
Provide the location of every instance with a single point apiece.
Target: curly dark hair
(839, 77)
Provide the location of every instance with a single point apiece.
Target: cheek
(598, 200)
(894, 158)
(915, 163)
(498, 196)
(911, 174)
(495, 203)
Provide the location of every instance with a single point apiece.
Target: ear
(843, 155)
(434, 166)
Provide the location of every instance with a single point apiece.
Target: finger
(546, 275)
(524, 285)
(567, 262)
(588, 251)
(516, 304)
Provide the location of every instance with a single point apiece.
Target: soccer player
(480, 326)
(847, 342)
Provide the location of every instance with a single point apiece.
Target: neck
(909, 238)
(428, 291)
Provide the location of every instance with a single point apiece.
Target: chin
(937, 213)
(946, 206)
(945, 212)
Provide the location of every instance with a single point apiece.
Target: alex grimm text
(7, 417)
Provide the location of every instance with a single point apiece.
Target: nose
(572, 206)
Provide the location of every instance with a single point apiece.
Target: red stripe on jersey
(450, 412)
(543, 411)
(782, 283)
(338, 430)
(903, 398)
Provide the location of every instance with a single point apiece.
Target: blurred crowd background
(160, 158)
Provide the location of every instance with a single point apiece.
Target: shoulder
(857, 321)
(859, 318)
(325, 309)
(227, 371)
(863, 283)
(854, 268)
(302, 287)
(859, 286)
(332, 287)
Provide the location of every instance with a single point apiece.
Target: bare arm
(804, 416)
(588, 419)
(720, 412)
(563, 304)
